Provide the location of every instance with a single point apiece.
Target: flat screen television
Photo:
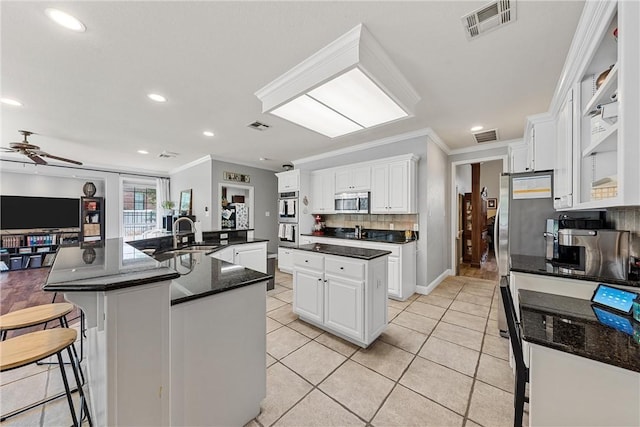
(20, 212)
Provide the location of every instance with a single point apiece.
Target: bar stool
(33, 316)
(34, 346)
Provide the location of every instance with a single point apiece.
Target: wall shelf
(607, 142)
(604, 92)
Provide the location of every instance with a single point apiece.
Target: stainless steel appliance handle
(495, 233)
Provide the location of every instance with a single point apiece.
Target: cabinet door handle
(341, 268)
(306, 260)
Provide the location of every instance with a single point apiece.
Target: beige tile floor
(440, 362)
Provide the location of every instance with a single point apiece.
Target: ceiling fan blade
(59, 158)
(36, 159)
(8, 149)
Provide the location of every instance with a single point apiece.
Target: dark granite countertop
(114, 264)
(570, 325)
(202, 275)
(345, 251)
(540, 265)
(370, 235)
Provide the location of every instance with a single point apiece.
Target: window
(139, 208)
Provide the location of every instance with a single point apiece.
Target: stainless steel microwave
(352, 202)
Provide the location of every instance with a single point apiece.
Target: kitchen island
(583, 372)
(167, 347)
(342, 290)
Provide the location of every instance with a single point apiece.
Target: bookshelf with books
(22, 249)
(92, 219)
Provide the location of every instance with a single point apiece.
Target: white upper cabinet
(288, 181)
(563, 170)
(540, 136)
(606, 151)
(519, 157)
(393, 187)
(322, 192)
(353, 179)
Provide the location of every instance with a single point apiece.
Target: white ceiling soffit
(304, 92)
(489, 17)
(485, 136)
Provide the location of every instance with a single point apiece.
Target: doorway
(235, 207)
(475, 192)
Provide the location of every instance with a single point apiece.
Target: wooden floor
(488, 270)
(23, 288)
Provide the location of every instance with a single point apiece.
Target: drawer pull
(341, 268)
(306, 260)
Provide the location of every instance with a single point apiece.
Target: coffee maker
(587, 251)
(564, 221)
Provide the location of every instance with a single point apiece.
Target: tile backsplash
(627, 218)
(378, 222)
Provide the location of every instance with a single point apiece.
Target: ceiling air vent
(489, 17)
(258, 126)
(166, 154)
(486, 136)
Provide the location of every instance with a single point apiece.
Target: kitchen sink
(195, 249)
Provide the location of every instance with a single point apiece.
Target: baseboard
(426, 290)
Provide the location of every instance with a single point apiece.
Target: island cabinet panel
(343, 295)
(309, 294)
(122, 325)
(343, 306)
(218, 346)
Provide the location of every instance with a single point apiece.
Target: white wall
(54, 181)
(463, 178)
(427, 268)
(437, 200)
(490, 177)
(197, 178)
(265, 192)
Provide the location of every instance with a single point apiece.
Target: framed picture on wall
(492, 203)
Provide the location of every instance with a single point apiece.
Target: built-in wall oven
(288, 218)
(352, 202)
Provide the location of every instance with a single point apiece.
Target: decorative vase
(89, 255)
(89, 189)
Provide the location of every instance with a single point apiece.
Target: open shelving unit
(33, 249)
(92, 219)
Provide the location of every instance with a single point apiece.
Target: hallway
(487, 271)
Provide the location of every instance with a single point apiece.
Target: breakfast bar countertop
(540, 265)
(570, 325)
(109, 265)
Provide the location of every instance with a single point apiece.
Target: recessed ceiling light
(62, 18)
(207, 133)
(157, 98)
(10, 101)
(476, 128)
(143, 152)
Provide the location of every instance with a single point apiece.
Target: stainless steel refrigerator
(526, 201)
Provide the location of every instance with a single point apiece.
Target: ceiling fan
(33, 152)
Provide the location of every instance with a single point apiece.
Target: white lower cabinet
(285, 260)
(401, 280)
(345, 296)
(249, 255)
(308, 297)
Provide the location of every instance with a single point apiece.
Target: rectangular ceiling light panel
(356, 96)
(309, 113)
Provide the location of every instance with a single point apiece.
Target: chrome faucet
(175, 229)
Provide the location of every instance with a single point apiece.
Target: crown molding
(593, 21)
(484, 147)
(196, 162)
(368, 145)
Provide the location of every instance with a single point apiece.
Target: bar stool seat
(34, 346)
(29, 348)
(33, 316)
